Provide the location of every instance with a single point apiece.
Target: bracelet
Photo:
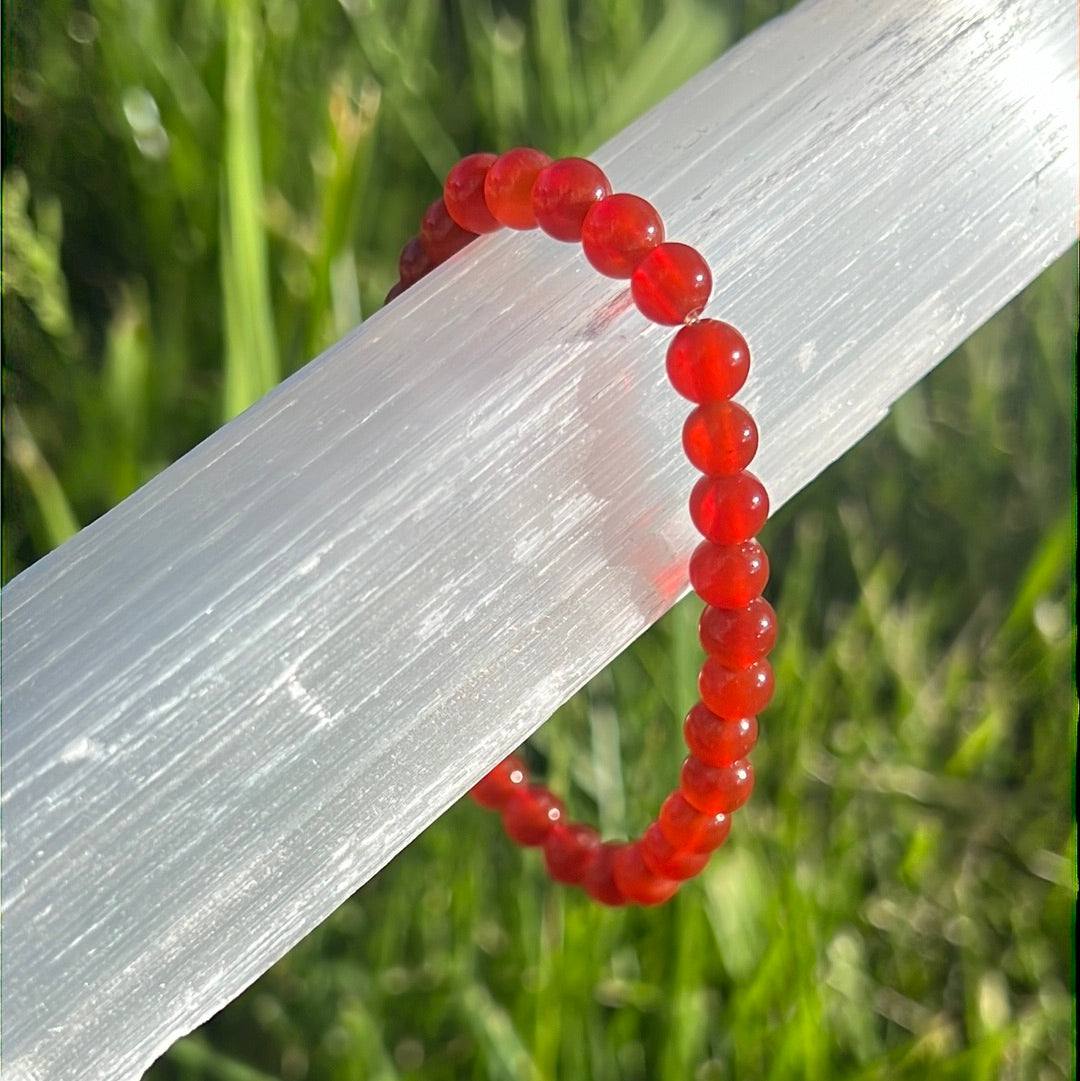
(622, 236)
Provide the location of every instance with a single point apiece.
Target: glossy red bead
(717, 741)
(738, 637)
(729, 575)
(688, 830)
(735, 692)
(716, 789)
(671, 284)
(413, 263)
(667, 861)
(708, 361)
(463, 194)
(720, 438)
(495, 789)
(508, 186)
(729, 508)
(569, 850)
(636, 881)
(440, 235)
(619, 232)
(564, 192)
(599, 882)
(530, 814)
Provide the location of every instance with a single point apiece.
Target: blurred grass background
(199, 196)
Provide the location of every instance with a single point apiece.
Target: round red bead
(738, 637)
(716, 789)
(671, 284)
(735, 692)
(688, 830)
(440, 234)
(599, 882)
(708, 361)
(508, 186)
(729, 508)
(414, 262)
(636, 882)
(729, 575)
(495, 788)
(619, 232)
(720, 437)
(715, 740)
(530, 814)
(563, 194)
(463, 194)
(569, 851)
(667, 861)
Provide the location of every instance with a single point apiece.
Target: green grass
(198, 197)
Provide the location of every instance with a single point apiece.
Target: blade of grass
(394, 69)
(126, 390)
(203, 1060)
(557, 70)
(251, 356)
(1051, 561)
(334, 307)
(493, 1027)
(606, 760)
(31, 258)
(690, 34)
(57, 519)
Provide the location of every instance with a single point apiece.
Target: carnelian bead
(716, 789)
(636, 881)
(720, 438)
(738, 636)
(729, 575)
(735, 692)
(708, 361)
(414, 262)
(440, 234)
(717, 741)
(569, 850)
(496, 788)
(688, 830)
(563, 194)
(619, 232)
(667, 861)
(671, 284)
(599, 881)
(530, 814)
(729, 509)
(463, 194)
(508, 186)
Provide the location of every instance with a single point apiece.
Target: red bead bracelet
(707, 362)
